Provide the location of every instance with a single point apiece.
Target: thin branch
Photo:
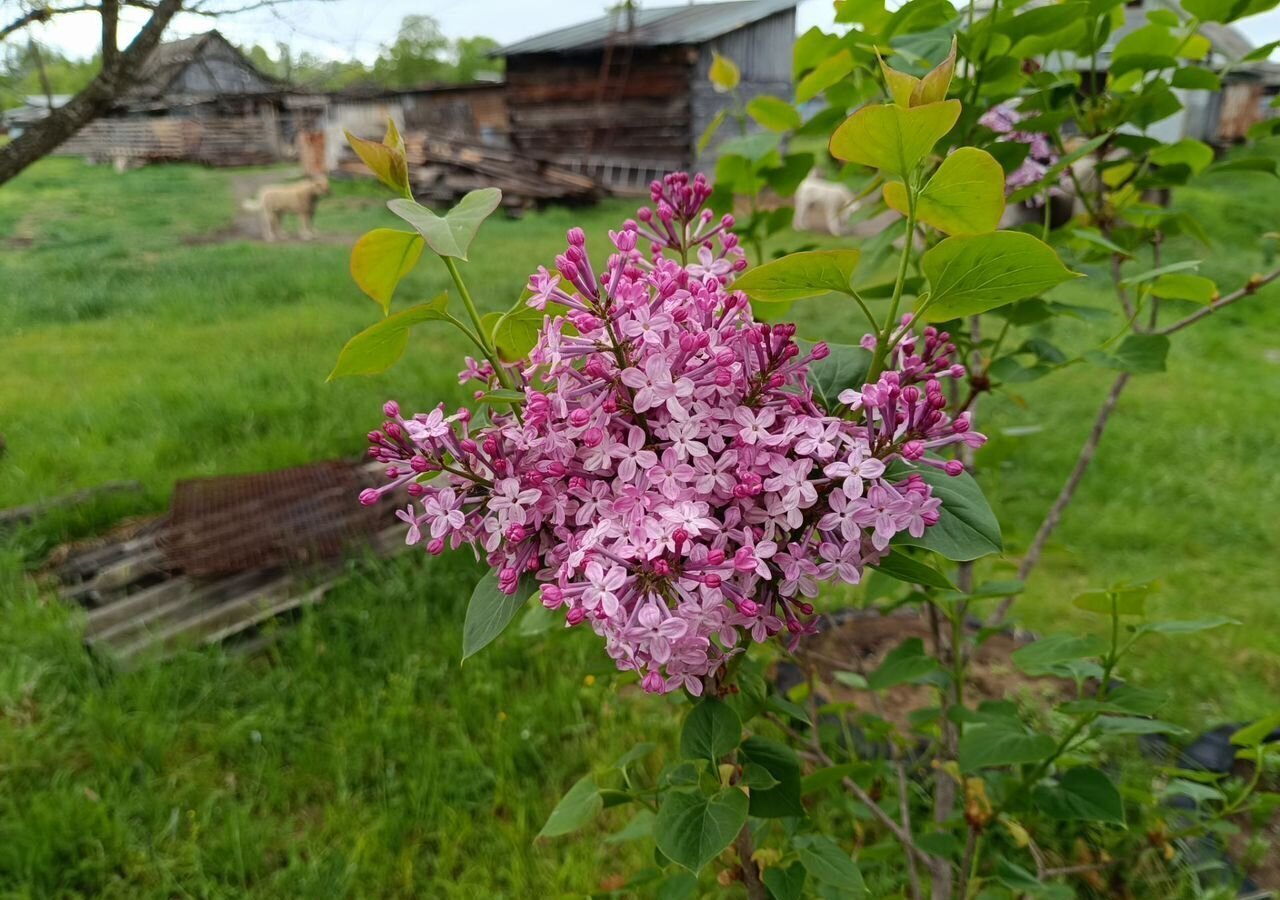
(1252, 287)
(750, 872)
(1068, 491)
(110, 40)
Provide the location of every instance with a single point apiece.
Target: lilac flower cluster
(1003, 120)
(670, 480)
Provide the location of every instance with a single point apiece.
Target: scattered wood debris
(21, 515)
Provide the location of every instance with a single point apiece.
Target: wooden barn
(199, 99)
(624, 98)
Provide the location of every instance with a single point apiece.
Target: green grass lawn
(357, 757)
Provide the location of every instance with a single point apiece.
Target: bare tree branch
(110, 29)
(1068, 491)
(95, 99)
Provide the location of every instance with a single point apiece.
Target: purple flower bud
(370, 496)
(748, 607)
(913, 450)
(653, 683)
(953, 467)
(820, 350)
(435, 546)
(576, 615)
(577, 237)
(593, 436)
(391, 409)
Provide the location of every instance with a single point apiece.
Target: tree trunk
(44, 136)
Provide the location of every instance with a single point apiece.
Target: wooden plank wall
(762, 52)
(560, 111)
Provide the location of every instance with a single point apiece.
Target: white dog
(823, 205)
(275, 200)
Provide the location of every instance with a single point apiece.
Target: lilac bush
(668, 478)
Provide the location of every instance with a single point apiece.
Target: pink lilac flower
(671, 482)
(1003, 120)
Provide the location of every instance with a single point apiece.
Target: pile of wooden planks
(444, 168)
(151, 589)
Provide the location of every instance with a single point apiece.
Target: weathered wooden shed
(200, 99)
(624, 98)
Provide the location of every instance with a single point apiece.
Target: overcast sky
(341, 29)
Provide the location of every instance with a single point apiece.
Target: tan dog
(301, 199)
(822, 205)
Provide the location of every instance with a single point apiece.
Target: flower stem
(486, 341)
(882, 345)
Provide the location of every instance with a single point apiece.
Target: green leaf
(1124, 700)
(788, 883)
(1196, 155)
(450, 234)
(1186, 626)
(385, 160)
(797, 276)
(724, 73)
(1082, 793)
(973, 274)
(965, 195)
(705, 140)
(825, 862)
(782, 799)
(1226, 10)
(1123, 600)
(1041, 657)
(773, 113)
(830, 71)
(844, 367)
(1256, 734)
(635, 754)
(912, 571)
(905, 663)
(1245, 164)
(711, 730)
(1138, 354)
(490, 611)
(516, 332)
(782, 705)
(381, 258)
(639, 828)
(381, 345)
(892, 138)
(1153, 274)
(1128, 725)
(967, 528)
(1042, 20)
(1002, 743)
(693, 829)
(1195, 288)
(576, 808)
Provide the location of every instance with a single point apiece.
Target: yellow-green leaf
(900, 85)
(381, 258)
(965, 195)
(892, 138)
(1194, 154)
(724, 74)
(774, 113)
(830, 71)
(974, 273)
(933, 87)
(387, 163)
(800, 275)
(1177, 286)
(381, 345)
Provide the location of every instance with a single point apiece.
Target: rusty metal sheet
(270, 520)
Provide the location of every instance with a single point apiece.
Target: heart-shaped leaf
(381, 258)
(452, 233)
(965, 195)
(796, 276)
(967, 528)
(1081, 793)
(711, 730)
(773, 113)
(891, 138)
(724, 73)
(379, 346)
(693, 829)
(972, 274)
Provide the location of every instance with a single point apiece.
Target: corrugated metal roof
(654, 27)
